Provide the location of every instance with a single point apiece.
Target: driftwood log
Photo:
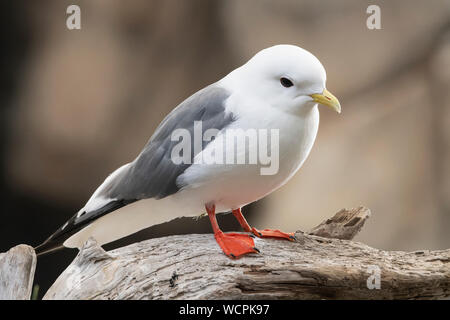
(318, 265)
(17, 268)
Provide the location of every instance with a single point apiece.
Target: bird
(278, 90)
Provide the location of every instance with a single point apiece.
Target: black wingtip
(75, 224)
(47, 247)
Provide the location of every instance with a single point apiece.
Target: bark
(17, 268)
(312, 267)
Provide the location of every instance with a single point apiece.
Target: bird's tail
(132, 218)
(118, 221)
(73, 225)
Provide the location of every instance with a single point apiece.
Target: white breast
(233, 186)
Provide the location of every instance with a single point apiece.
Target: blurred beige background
(88, 100)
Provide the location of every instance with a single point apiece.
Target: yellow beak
(326, 98)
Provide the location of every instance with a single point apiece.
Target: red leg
(266, 233)
(233, 245)
(240, 218)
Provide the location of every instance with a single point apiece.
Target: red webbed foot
(235, 245)
(269, 233)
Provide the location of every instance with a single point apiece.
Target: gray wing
(153, 174)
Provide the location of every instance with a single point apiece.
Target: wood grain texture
(17, 268)
(343, 225)
(313, 267)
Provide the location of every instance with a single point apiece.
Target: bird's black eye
(285, 82)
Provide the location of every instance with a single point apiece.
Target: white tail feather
(133, 218)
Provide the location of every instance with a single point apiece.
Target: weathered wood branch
(17, 268)
(313, 267)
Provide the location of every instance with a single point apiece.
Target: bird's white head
(287, 77)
